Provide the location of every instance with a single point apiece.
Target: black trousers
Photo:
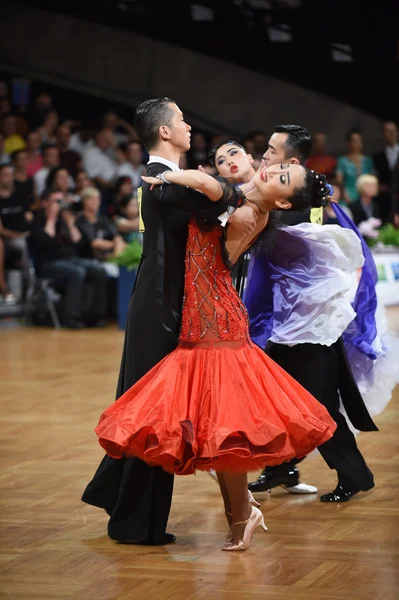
(73, 273)
(319, 369)
(136, 497)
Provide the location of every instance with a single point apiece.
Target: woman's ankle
(242, 514)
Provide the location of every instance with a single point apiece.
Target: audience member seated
(69, 159)
(33, 148)
(133, 166)
(60, 179)
(42, 105)
(100, 236)
(48, 128)
(127, 219)
(56, 244)
(123, 187)
(82, 181)
(365, 207)
(24, 185)
(51, 160)
(97, 163)
(15, 224)
(12, 140)
(80, 139)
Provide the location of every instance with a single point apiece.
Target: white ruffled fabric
(377, 393)
(313, 304)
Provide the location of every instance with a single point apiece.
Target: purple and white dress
(304, 293)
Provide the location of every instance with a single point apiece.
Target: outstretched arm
(206, 197)
(197, 180)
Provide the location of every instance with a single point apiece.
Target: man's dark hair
(50, 179)
(389, 121)
(313, 194)
(49, 146)
(149, 117)
(16, 153)
(125, 200)
(298, 143)
(212, 153)
(353, 131)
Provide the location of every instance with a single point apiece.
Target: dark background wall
(120, 66)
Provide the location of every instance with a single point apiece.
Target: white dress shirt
(164, 161)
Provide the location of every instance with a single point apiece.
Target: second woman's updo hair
(313, 194)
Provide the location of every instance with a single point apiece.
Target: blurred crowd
(68, 198)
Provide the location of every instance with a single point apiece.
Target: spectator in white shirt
(80, 140)
(133, 166)
(98, 165)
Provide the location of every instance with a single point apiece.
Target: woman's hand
(153, 181)
(243, 220)
(194, 179)
(262, 166)
(330, 195)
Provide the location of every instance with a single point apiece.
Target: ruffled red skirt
(222, 408)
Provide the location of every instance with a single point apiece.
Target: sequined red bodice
(212, 310)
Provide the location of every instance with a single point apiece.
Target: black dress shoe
(273, 477)
(342, 493)
(168, 539)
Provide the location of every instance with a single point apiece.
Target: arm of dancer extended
(214, 189)
(239, 237)
(203, 196)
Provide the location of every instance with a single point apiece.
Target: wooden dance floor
(54, 386)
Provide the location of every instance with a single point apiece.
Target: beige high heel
(255, 519)
(252, 501)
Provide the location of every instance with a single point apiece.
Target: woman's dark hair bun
(322, 190)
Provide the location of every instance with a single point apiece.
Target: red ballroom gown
(217, 401)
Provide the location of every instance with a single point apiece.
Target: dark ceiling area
(342, 48)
